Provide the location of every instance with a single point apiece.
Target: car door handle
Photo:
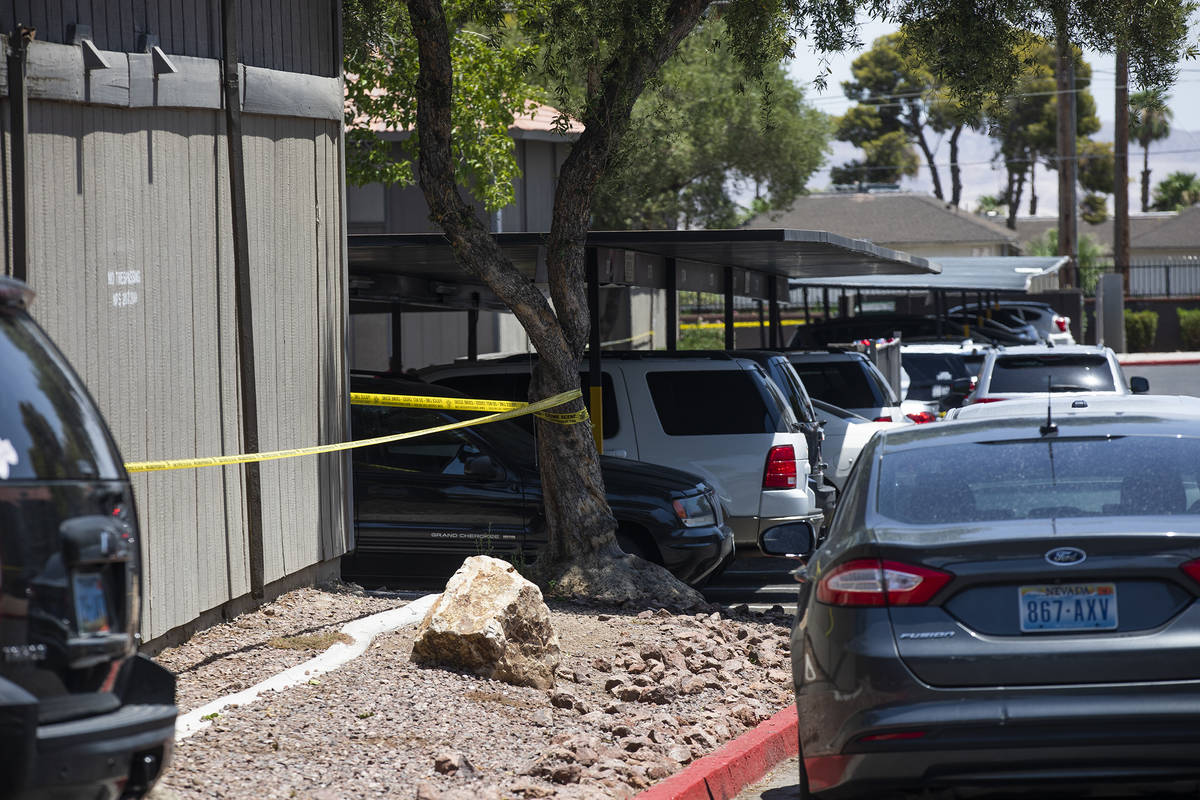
(617, 453)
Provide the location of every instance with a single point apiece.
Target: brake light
(989, 399)
(871, 582)
(883, 419)
(922, 417)
(1062, 323)
(781, 468)
(1192, 569)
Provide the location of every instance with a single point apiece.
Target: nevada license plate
(1069, 607)
(91, 607)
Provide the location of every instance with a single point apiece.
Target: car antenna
(1050, 427)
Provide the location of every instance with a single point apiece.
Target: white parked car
(710, 413)
(1081, 404)
(846, 434)
(1010, 373)
(849, 380)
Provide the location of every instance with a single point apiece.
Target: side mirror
(1139, 385)
(794, 539)
(959, 389)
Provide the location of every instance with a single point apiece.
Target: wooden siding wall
(131, 259)
(288, 35)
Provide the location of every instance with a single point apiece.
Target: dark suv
(474, 490)
(81, 713)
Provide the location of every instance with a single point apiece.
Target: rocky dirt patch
(235, 655)
(638, 696)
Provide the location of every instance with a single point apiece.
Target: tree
(886, 158)
(618, 49)
(1096, 178)
(1149, 121)
(973, 46)
(1177, 191)
(698, 138)
(1023, 122)
(896, 93)
(1091, 256)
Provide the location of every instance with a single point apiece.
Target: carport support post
(595, 395)
(396, 362)
(729, 308)
(775, 321)
(242, 287)
(672, 306)
(473, 329)
(966, 328)
(762, 325)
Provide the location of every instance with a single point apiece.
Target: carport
(418, 272)
(987, 277)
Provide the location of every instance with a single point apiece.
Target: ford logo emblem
(1065, 556)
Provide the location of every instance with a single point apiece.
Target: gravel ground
(638, 697)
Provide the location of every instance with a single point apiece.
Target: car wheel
(637, 542)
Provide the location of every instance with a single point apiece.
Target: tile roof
(890, 219)
(1140, 225)
(1180, 231)
(537, 119)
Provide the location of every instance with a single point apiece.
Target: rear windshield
(710, 403)
(930, 374)
(49, 429)
(1050, 372)
(1041, 479)
(842, 383)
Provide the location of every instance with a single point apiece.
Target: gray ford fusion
(1006, 603)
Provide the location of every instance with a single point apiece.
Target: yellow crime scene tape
(504, 409)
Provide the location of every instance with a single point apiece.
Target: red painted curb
(1158, 362)
(721, 775)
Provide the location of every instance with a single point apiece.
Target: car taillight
(1192, 569)
(1062, 323)
(871, 582)
(883, 419)
(922, 417)
(781, 468)
(989, 399)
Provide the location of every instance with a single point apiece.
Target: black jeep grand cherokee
(81, 713)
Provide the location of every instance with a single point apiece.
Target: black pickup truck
(81, 713)
(477, 490)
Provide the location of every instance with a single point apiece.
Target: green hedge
(1189, 328)
(1140, 330)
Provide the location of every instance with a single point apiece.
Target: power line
(994, 162)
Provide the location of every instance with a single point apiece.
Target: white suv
(709, 413)
(1032, 371)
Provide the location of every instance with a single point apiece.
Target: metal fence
(1162, 277)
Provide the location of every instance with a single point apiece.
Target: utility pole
(1121, 170)
(1064, 74)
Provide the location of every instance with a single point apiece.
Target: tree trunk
(1033, 187)
(1016, 187)
(919, 130)
(955, 170)
(1064, 75)
(1145, 176)
(1121, 169)
(582, 556)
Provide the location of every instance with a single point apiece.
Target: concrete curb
(362, 631)
(723, 774)
(1157, 359)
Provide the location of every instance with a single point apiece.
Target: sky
(1180, 152)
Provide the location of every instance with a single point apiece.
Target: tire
(636, 542)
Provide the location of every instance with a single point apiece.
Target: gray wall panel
(291, 35)
(131, 257)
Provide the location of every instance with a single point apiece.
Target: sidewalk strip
(362, 631)
(741, 762)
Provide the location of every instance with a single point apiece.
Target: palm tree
(1149, 121)
(1177, 191)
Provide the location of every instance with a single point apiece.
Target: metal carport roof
(984, 273)
(421, 267)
